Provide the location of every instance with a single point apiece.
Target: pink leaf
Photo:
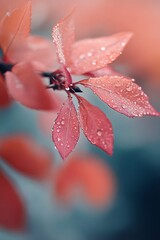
(35, 49)
(63, 38)
(96, 126)
(26, 156)
(12, 211)
(85, 176)
(15, 25)
(92, 54)
(121, 94)
(66, 129)
(108, 70)
(25, 86)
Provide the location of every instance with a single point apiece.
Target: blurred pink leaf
(4, 97)
(121, 94)
(26, 156)
(92, 54)
(35, 49)
(15, 25)
(85, 176)
(96, 126)
(66, 129)
(12, 211)
(25, 86)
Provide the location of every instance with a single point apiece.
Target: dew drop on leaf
(89, 54)
(103, 48)
(129, 88)
(99, 133)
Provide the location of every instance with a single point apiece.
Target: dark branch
(56, 78)
(4, 67)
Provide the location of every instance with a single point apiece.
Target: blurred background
(134, 212)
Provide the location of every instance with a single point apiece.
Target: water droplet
(58, 130)
(82, 56)
(67, 88)
(68, 146)
(8, 14)
(104, 144)
(118, 84)
(93, 63)
(61, 144)
(58, 123)
(103, 48)
(62, 122)
(59, 139)
(124, 106)
(99, 133)
(129, 88)
(93, 141)
(89, 54)
(123, 44)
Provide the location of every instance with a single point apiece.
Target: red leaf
(63, 38)
(85, 176)
(121, 94)
(92, 54)
(25, 86)
(4, 98)
(23, 154)
(15, 25)
(96, 126)
(65, 134)
(12, 213)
